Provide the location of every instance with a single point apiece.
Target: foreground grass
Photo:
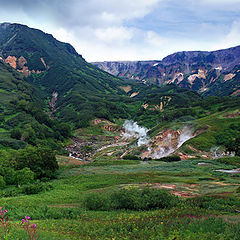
(178, 223)
(60, 213)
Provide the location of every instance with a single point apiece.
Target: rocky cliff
(210, 73)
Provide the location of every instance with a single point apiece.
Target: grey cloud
(71, 13)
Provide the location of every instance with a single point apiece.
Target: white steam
(168, 143)
(185, 135)
(171, 143)
(162, 152)
(218, 152)
(133, 130)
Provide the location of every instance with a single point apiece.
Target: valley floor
(209, 206)
(60, 214)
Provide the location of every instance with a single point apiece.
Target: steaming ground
(133, 130)
(168, 144)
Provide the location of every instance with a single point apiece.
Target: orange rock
(21, 62)
(12, 61)
(26, 72)
(97, 121)
(43, 62)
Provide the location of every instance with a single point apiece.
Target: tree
(64, 130)
(16, 133)
(234, 146)
(41, 160)
(9, 175)
(24, 176)
(2, 182)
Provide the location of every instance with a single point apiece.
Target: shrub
(24, 176)
(131, 157)
(13, 192)
(27, 189)
(41, 160)
(146, 199)
(98, 202)
(36, 188)
(173, 158)
(12, 143)
(9, 175)
(133, 199)
(215, 203)
(2, 182)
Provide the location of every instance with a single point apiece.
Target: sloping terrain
(15, 93)
(22, 117)
(209, 73)
(54, 67)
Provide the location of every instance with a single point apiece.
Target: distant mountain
(209, 73)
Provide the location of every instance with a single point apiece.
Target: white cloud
(218, 2)
(154, 39)
(102, 13)
(114, 35)
(131, 29)
(231, 39)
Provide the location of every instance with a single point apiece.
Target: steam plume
(133, 130)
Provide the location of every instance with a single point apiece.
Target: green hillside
(23, 120)
(83, 90)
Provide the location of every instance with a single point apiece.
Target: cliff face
(210, 73)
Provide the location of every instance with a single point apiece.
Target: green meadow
(208, 207)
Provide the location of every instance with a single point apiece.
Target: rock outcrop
(20, 64)
(210, 73)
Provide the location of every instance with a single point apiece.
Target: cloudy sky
(103, 30)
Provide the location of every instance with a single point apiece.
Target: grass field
(60, 213)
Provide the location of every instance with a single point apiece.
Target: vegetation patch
(132, 199)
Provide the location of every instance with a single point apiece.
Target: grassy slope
(214, 124)
(210, 121)
(13, 89)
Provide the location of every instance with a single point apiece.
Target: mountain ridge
(203, 71)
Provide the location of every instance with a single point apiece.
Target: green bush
(229, 160)
(98, 202)
(169, 159)
(12, 143)
(24, 176)
(2, 182)
(27, 189)
(131, 157)
(36, 188)
(146, 199)
(9, 175)
(133, 199)
(41, 160)
(13, 192)
(215, 203)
